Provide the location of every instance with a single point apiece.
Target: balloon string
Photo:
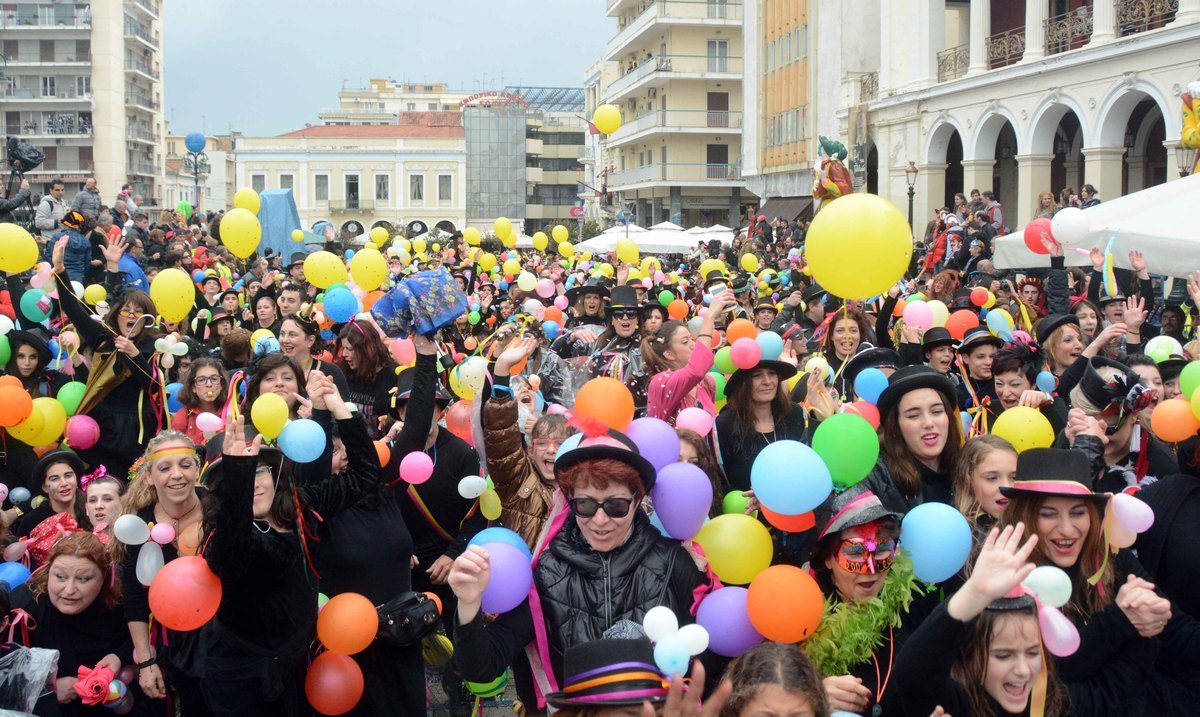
(1094, 579)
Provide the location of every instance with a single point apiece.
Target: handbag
(407, 618)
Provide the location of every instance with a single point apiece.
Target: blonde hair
(973, 453)
(1052, 341)
(140, 493)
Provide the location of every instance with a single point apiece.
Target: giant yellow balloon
(540, 242)
(173, 294)
(18, 250)
(737, 546)
(560, 233)
(627, 251)
(324, 269)
(244, 198)
(487, 262)
(502, 227)
(471, 236)
(369, 268)
(607, 118)
(858, 246)
(241, 231)
(269, 414)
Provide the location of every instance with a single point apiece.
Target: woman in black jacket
(601, 564)
(370, 372)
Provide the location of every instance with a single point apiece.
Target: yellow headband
(177, 450)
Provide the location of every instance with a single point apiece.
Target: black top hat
(812, 293)
(1170, 368)
(16, 338)
(869, 356)
(591, 286)
(961, 300)
(782, 369)
(851, 508)
(1102, 393)
(624, 669)
(1108, 299)
(1053, 473)
(740, 284)
(978, 336)
(404, 386)
(911, 378)
(624, 297)
(937, 336)
(716, 276)
(612, 444)
(228, 292)
(1053, 323)
(211, 277)
(765, 303)
(63, 456)
(220, 314)
(298, 257)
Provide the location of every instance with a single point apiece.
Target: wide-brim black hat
(911, 378)
(869, 356)
(615, 445)
(404, 387)
(575, 292)
(220, 315)
(1053, 473)
(624, 297)
(765, 304)
(851, 508)
(1171, 367)
(298, 257)
(596, 668)
(978, 336)
(937, 336)
(71, 458)
(783, 369)
(228, 292)
(1103, 393)
(1053, 323)
(1107, 299)
(812, 293)
(716, 276)
(740, 284)
(961, 300)
(16, 338)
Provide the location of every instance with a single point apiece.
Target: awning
(787, 208)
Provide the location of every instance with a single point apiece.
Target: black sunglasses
(613, 507)
(625, 313)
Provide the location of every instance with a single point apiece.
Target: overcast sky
(269, 66)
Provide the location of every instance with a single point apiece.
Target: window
(321, 187)
(47, 86)
(416, 188)
(412, 106)
(258, 182)
(445, 187)
(352, 195)
(433, 107)
(83, 86)
(718, 56)
(804, 40)
(382, 188)
(286, 181)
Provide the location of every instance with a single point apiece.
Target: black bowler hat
(716, 276)
(1053, 323)
(596, 669)
(911, 378)
(624, 297)
(937, 336)
(612, 444)
(592, 286)
(783, 369)
(1053, 473)
(869, 356)
(978, 336)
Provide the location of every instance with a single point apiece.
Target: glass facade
(495, 139)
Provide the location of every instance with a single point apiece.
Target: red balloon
(789, 523)
(334, 683)
(960, 321)
(979, 296)
(185, 594)
(1033, 235)
(867, 411)
(458, 420)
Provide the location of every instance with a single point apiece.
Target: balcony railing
(702, 10)
(680, 119)
(142, 134)
(1134, 16)
(13, 21)
(24, 93)
(59, 125)
(153, 7)
(952, 63)
(141, 101)
(682, 173)
(587, 154)
(50, 167)
(692, 64)
(351, 204)
(1005, 48)
(59, 58)
(138, 30)
(1068, 31)
(868, 86)
(143, 168)
(142, 67)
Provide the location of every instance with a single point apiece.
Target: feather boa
(850, 632)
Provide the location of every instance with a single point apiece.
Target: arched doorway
(1004, 173)
(996, 140)
(1066, 169)
(945, 148)
(873, 170)
(954, 169)
(1145, 155)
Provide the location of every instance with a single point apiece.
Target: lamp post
(1185, 157)
(195, 143)
(910, 173)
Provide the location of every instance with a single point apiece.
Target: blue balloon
(541, 401)
(497, 534)
(568, 445)
(1046, 382)
(938, 540)
(198, 276)
(349, 254)
(475, 306)
(771, 344)
(550, 329)
(173, 403)
(671, 656)
(340, 305)
(328, 334)
(19, 494)
(656, 521)
(966, 422)
(302, 440)
(707, 299)
(13, 574)
(790, 478)
(869, 384)
(503, 285)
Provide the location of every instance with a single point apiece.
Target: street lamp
(195, 143)
(910, 173)
(1185, 157)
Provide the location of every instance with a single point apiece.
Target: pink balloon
(37, 281)
(416, 468)
(545, 288)
(82, 432)
(404, 351)
(695, 419)
(1133, 513)
(1058, 633)
(561, 303)
(14, 552)
(918, 314)
(745, 353)
(3, 492)
(162, 533)
(209, 422)
(660, 277)
(646, 283)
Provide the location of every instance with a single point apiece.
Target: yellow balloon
(858, 246)
(173, 294)
(502, 227)
(489, 504)
(566, 250)
(627, 251)
(94, 293)
(510, 240)
(241, 231)
(269, 414)
(586, 256)
(540, 242)
(940, 312)
(418, 246)
(29, 430)
(650, 265)
(560, 233)
(297, 235)
(245, 198)
(471, 236)
(710, 265)
(18, 250)
(324, 269)
(512, 266)
(403, 243)
(437, 247)
(1024, 427)
(379, 235)
(737, 546)
(606, 269)
(369, 268)
(260, 334)
(634, 274)
(607, 118)
(459, 388)
(526, 282)
(54, 417)
(487, 262)
(750, 263)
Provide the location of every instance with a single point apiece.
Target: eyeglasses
(866, 557)
(613, 507)
(548, 443)
(263, 471)
(625, 313)
(128, 313)
(207, 380)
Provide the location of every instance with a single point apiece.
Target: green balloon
(70, 395)
(719, 381)
(849, 447)
(473, 317)
(665, 297)
(1189, 379)
(29, 306)
(734, 502)
(5, 350)
(723, 361)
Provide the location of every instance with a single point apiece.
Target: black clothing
(737, 454)
(373, 399)
(1169, 549)
(30, 520)
(935, 488)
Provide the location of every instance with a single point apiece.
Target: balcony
(57, 126)
(1069, 31)
(143, 68)
(141, 101)
(153, 8)
(1006, 48)
(587, 155)
(351, 205)
(138, 31)
(677, 121)
(63, 166)
(80, 20)
(144, 168)
(1134, 16)
(667, 67)
(534, 146)
(18, 94)
(687, 174)
(58, 58)
(698, 13)
(952, 63)
(139, 134)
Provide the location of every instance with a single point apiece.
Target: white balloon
(131, 530)
(1166, 344)
(695, 637)
(471, 487)
(168, 360)
(6, 324)
(1050, 584)
(660, 623)
(77, 289)
(1070, 226)
(818, 365)
(149, 562)
(473, 373)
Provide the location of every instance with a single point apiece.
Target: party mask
(864, 556)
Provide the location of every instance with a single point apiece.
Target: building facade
(83, 81)
(678, 154)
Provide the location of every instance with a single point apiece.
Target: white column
(1189, 11)
(1036, 14)
(1102, 169)
(1104, 23)
(978, 174)
(931, 39)
(1033, 177)
(981, 29)
(931, 192)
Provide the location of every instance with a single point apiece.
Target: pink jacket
(671, 391)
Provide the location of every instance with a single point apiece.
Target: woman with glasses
(599, 565)
(122, 391)
(204, 389)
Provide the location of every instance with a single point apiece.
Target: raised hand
(113, 252)
(235, 439)
(469, 577)
(515, 354)
(1002, 564)
(60, 251)
(687, 704)
(1137, 262)
(1135, 313)
(1097, 258)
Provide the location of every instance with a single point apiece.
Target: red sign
(577, 212)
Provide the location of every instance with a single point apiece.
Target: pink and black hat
(610, 673)
(1054, 473)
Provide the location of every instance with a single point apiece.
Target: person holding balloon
(278, 374)
(1020, 379)
(678, 364)
(204, 391)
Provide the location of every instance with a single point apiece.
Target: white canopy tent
(721, 233)
(1155, 221)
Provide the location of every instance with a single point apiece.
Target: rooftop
(412, 125)
(551, 99)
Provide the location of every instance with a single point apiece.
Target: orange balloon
(15, 403)
(40, 451)
(185, 594)
(348, 623)
(960, 321)
(384, 453)
(458, 420)
(334, 683)
(188, 541)
(789, 523)
(899, 310)
(606, 400)
(370, 299)
(436, 601)
(677, 309)
(785, 604)
(552, 313)
(740, 328)
(10, 381)
(1173, 421)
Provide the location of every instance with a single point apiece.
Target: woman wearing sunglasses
(203, 391)
(601, 564)
(120, 392)
(618, 352)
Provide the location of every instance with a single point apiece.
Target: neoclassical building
(1016, 97)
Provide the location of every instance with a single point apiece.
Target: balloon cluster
(674, 646)
(132, 530)
(346, 625)
(302, 440)
(170, 347)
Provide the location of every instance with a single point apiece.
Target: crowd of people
(178, 443)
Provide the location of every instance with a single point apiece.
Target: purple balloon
(723, 613)
(682, 495)
(656, 440)
(511, 579)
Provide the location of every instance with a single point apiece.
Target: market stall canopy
(1153, 221)
(656, 240)
(787, 208)
(720, 232)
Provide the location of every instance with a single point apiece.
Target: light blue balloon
(550, 329)
(671, 656)
(869, 384)
(340, 305)
(938, 540)
(498, 534)
(966, 422)
(1046, 382)
(995, 321)
(568, 445)
(13, 574)
(349, 254)
(302, 440)
(790, 478)
(20, 494)
(656, 521)
(541, 401)
(771, 344)
(707, 299)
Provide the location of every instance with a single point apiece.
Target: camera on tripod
(22, 157)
